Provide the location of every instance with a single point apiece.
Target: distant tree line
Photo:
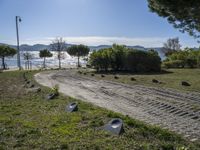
(121, 58)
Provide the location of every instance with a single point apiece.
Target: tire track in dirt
(167, 108)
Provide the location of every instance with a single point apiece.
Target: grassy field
(28, 121)
(171, 78)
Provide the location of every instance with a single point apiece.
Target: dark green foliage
(121, 58)
(78, 51)
(182, 14)
(45, 53)
(6, 51)
(181, 59)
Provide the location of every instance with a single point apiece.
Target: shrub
(121, 58)
(174, 64)
(55, 89)
(183, 58)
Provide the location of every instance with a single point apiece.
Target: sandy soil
(167, 108)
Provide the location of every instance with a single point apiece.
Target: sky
(90, 22)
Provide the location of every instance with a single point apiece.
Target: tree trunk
(59, 59)
(3, 63)
(44, 62)
(78, 62)
(59, 64)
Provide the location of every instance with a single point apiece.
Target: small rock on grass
(102, 76)
(155, 81)
(116, 77)
(133, 79)
(184, 83)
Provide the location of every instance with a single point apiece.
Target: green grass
(28, 121)
(170, 79)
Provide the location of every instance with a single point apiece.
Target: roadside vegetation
(29, 121)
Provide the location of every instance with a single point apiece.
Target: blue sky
(90, 22)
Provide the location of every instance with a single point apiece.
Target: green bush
(183, 58)
(121, 58)
(174, 64)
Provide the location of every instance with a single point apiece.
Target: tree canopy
(183, 14)
(6, 51)
(43, 54)
(121, 58)
(78, 50)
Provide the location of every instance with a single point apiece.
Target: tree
(27, 57)
(78, 51)
(172, 45)
(58, 45)
(43, 54)
(121, 58)
(182, 14)
(6, 51)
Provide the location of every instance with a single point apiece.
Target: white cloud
(98, 40)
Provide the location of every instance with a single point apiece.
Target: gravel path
(164, 107)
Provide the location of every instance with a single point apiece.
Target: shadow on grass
(111, 72)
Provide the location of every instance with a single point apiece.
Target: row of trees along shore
(57, 45)
(119, 57)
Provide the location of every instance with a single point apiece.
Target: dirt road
(167, 108)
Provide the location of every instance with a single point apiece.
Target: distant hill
(38, 47)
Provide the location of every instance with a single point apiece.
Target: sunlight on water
(51, 62)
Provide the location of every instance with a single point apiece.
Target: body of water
(52, 62)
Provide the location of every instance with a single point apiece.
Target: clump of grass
(55, 90)
(92, 74)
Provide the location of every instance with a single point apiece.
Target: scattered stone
(184, 83)
(72, 107)
(34, 90)
(133, 79)
(27, 82)
(115, 126)
(51, 96)
(194, 139)
(102, 76)
(155, 81)
(30, 85)
(84, 73)
(92, 74)
(116, 77)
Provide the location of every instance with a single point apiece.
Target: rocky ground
(168, 108)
